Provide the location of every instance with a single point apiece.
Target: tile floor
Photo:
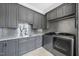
(39, 52)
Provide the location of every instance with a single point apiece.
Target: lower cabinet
(18, 47)
(23, 46)
(38, 41)
(29, 44)
(26, 45)
(2, 48)
(11, 47)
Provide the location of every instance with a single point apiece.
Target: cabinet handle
(5, 44)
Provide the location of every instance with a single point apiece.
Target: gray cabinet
(11, 15)
(2, 48)
(30, 16)
(17, 47)
(52, 14)
(2, 14)
(31, 44)
(37, 21)
(38, 41)
(23, 46)
(25, 15)
(8, 15)
(43, 22)
(22, 14)
(68, 9)
(26, 45)
(11, 46)
(59, 11)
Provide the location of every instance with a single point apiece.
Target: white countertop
(10, 38)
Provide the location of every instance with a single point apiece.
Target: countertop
(18, 37)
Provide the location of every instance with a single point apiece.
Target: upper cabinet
(22, 14)
(39, 21)
(61, 11)
(11, 15)
(2, 14)
(30, 16)
(8, 15)
(25, 15)
(52, 14)
(69, 9)
(43, 22)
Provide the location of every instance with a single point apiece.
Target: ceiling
(41, 7)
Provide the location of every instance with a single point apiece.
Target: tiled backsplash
(8, 32)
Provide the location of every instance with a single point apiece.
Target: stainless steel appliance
(63, 44)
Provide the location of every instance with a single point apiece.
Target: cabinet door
(23, 12)
(2, 14)
(52, 14)
(59, 11)
(38, 41)
(23, 46)
(16, 47)
(30, 16)
(68, 9)
(2, 48)
(10, 48)
(25, 15)
(37, 21)
(12, 15)
(43, 22)
(31, 44)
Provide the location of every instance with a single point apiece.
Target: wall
(5, 32)
(8, 32)
(66, 25)
(77, 33)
